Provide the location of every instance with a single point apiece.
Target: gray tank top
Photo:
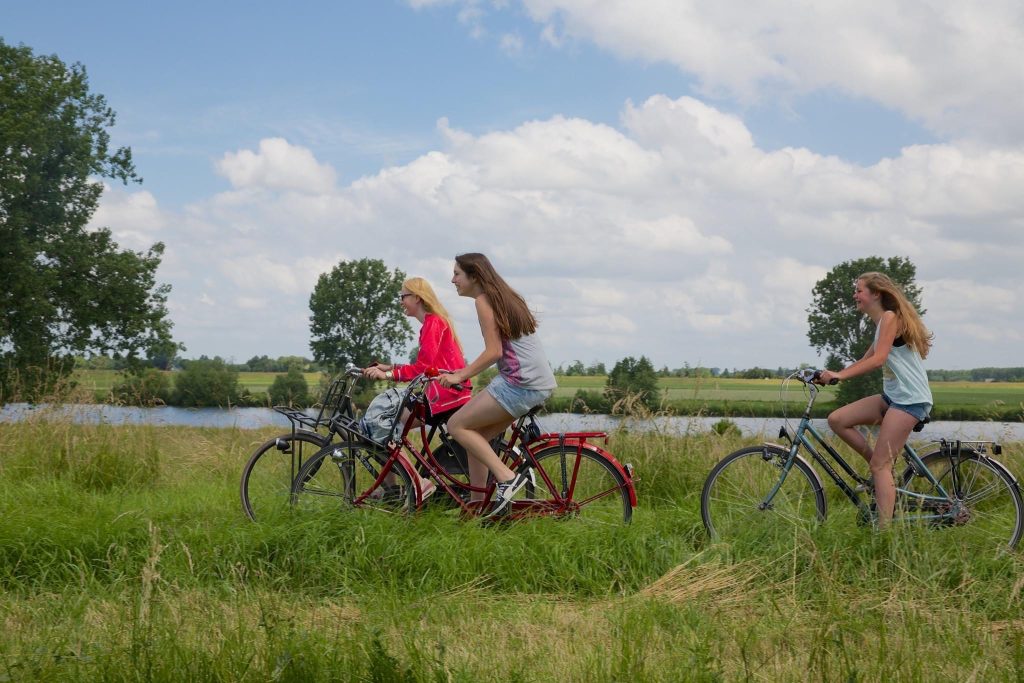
(524, 364)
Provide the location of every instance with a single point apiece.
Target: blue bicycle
(768, 490)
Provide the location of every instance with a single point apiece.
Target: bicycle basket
(381, 415)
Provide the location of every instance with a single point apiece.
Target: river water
(255, 418)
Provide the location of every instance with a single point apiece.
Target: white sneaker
(506, 490)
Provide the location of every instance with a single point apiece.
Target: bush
(206, 382)
(290, 389)
(589, 402)
(149, 388)
(632, 377)
(726, 427)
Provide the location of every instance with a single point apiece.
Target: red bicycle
(570, 476)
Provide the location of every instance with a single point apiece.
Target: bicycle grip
(435, 373)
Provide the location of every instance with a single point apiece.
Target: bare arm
(876, 354)
(492, 345)
(378, 371)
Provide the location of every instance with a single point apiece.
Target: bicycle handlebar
(811, 376)
(434, 374)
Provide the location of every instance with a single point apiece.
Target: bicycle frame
(806, 436)
(336, 404)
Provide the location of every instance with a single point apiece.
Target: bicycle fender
(1001, 467)
(578, 444)
(995, 463)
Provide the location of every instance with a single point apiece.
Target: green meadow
(1001, 401)
(124, 556)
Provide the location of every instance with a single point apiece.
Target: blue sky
(659, 177)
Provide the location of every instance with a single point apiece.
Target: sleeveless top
(524, 364)
(903, 377)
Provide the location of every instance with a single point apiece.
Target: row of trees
(209, 382)
(978, 375)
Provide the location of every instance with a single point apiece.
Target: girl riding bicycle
(901, 342)
(524, 377)
(439, 347)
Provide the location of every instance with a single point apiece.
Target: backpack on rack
(379, 419)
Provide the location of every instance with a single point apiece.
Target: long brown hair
(892, 298)
(431, 304)
(511, 313)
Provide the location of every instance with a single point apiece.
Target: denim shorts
(516, 401)
(918, 410)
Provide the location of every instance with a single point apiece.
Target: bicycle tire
(339, 474)
(267, 477)
(993, 513)
(593, 489)
(731, 501)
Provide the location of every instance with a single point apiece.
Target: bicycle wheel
(732, 502)
(338, 475)
(987, 510)
(267, 477)
(590, 487)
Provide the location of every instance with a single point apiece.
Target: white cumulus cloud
(675, 235)
(277, 165)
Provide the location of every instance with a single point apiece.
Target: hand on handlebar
(451, 380)
(376, 371)
(825, 377)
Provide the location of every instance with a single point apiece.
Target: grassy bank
(124, 556)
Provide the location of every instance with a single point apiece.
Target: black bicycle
(268, 475)
(770, 490)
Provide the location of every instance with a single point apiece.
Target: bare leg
(473, 426)
(896, 427)
(844, 421)
(390, 480)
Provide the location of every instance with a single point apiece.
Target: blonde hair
(511, 314)
(892, 298)
(422, 289)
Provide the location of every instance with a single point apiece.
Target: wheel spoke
(733, 502)
(267, 477)
(594, 489)
(986, 510)
(341, 475)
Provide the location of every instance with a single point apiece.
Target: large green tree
(64, 289)
(356, 317)
(837, 328)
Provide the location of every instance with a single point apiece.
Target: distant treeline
(577, 368)
(978, 375)
(254, 364)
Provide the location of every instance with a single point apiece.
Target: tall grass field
(124, 556)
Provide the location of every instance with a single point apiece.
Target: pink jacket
(438, 349)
